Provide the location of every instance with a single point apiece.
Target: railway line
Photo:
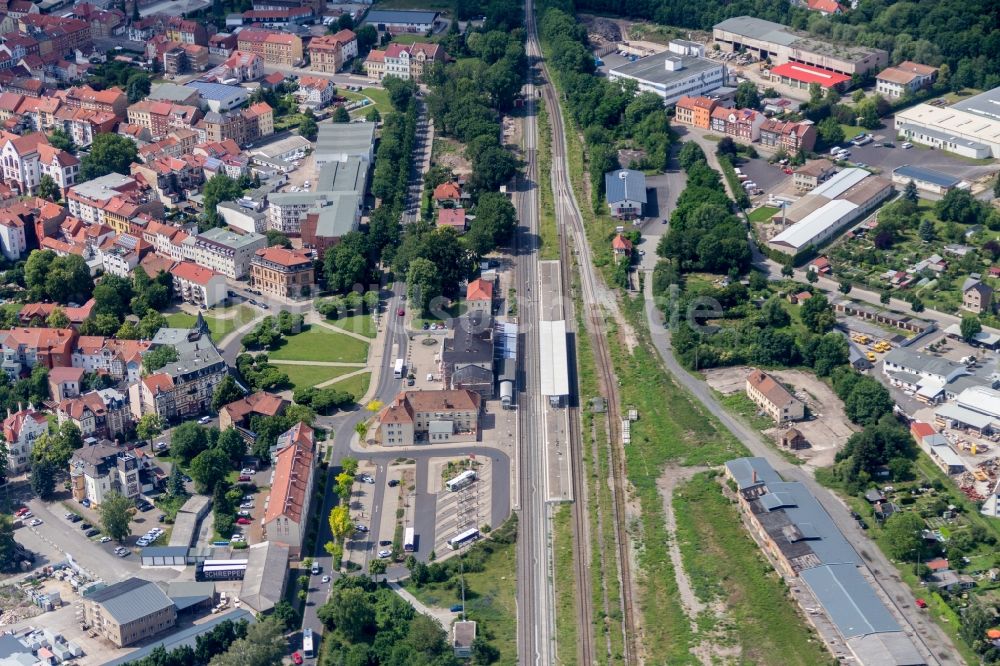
(570, 225)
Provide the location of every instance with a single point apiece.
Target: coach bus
(461, 481)
(463, 539)
(409, 540)
(307, 643)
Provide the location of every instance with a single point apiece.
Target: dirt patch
(451, 154)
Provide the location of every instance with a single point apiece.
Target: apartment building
(98, 470)
(773, 398)
(276, 48)
(25, 159)
(283, 273)
(129, 611)
(432, 417)
(160, 118)
(227, 252)
(198, 285)
(241, 67)
(743, 124)
(182, 58)
(329, 53)
(239, 412)
(20, 430)
(111, 200)
(243, 126)
(186, 31)
(404, 61)
(103, 414)
(287, 514)
(183, 388)
(119, 359)
(315, 91)
(695, 111)
(24, 348)
(111, 100)
(792, 136)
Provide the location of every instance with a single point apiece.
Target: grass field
(379, 98)
(762, 214)
(489, 600)
(321, 344)
(218, 326)
(725, 566)
(454, 310)
(356, 385)
(547, 223)
(565, 584)
(362, 324)
(310, 375)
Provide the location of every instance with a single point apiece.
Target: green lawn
(219, 327)
(321, 344)
(454, 310)
(378, 97)
(356, 385)
(362, 324)
(310, 375)
(763, 214)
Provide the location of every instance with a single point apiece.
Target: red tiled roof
(451, 217)
(284, 257)
(809, 74)
(192, 272)
(12, 424)
(449, 190)
(290, 483)
(621, 243)
(261, 402)
(479, 290)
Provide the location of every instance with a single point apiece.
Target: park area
(221, 321)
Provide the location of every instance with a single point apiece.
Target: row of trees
(227, 644)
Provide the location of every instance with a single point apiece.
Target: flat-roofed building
(337, 142)
(673, 75)
(392, 20)
(781, 44)
(970, 128)
(927, 180)
(227, 252)
(129, 611)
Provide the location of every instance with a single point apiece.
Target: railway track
(568, 219)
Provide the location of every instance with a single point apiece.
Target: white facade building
(680, 71)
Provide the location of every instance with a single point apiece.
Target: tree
(787, 270)
(264, 645)
(43, 479)
(830, 132)
(231, 443)
(959, 206)
(8, 547)
(219, 188)
(483, 653)
(976, 621)
(970, 327)
(188, 440)
(283, 612)
(345, 483)
(926, 230)
(340, 522)
(348, 611)
(373, 116)
(867, 402)
(400, 92)
(275, 237)
(109, 153)
(209, 468)
(149, 427)
(63, 141)
(307, 126)
(885, 297)
(996, 188)
(902, 534)
(226, 391)
(137, 87)
(158, 357)
(726, 146)
(910, 193)
(844, 287)
(57, 318)
(916, 304)
(377, 567)
(340, 115)
(817, 314)
(747, 96)
(48, 189)
(175, 482)
(812, 277)
(115, 515)
(423, 284)
(491, 168)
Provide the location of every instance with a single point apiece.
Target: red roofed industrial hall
(798, 75)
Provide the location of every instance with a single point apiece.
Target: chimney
(755, 476)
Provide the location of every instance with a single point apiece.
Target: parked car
(326, 579)
(393, 483)
(907, 145)
(35, 522)
(105, 539)
(85, 526)
(384, 553)
(205, 419)
(91, 532)
(243, 520)
(921, 603)
(400, 312)
(457, 608)
(361, 528)
(385, 542)
(74, 518)
(296, 658)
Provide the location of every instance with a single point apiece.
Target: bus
(461, 481)
(307, 643)
(463, 539)
(397, 370)
(409, 540)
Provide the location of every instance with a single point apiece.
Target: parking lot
(461, 510)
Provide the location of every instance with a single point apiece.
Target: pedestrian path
(313, 318)
(340, 378)
(325, 364)
(444, 617)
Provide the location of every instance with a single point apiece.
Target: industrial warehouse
(781, 44)
(970, 128)
(681, 70)
(820, 215)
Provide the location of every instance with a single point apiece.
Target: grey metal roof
(742, 469)
(802, 509)
(400, 17)
(849, 600)
(942, 136)
(344, 139)
(348, 176)
(755, 28)
(264, 581)
(184, 637)
(926, 175)
(986, 104)
(132, 599)
(217, 91)
(338, 217)
(625, 185)
(186, 593)
(164, 551)
(653, 69)
(171, 92)
(230, 239)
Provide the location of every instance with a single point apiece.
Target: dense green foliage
(108, 153)
(215, 641)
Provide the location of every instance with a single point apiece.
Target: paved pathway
(313, 318)
(442, 615)
(340, 378)
(325, 364)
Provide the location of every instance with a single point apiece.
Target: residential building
(112, 200)
(242, 67)
(315, 91)
(977, 296)
(792, 136)
(186, 31)
(404, 61)
(24, 348)
(25, 159)
(227, 252)
(906, 78)
(824, 7)
(695, 111)
(102, 414)
(119, 359)
(743, 124)
(20, 430)
(284, 273)
(680, 71)
(396, 21)
(222, 43)
(453, 218)
(23, 219)
(160, 118)
(779, 43)
(129, 611)
(277, 48)
(238, 413)
(243, 127)
(625, 191)
(622, 248)
(768, 394)
(198, 285)
(808, 176)
(329, 53)
(183, 388)
(448, 195)
(65, 383)
(430, 417)
(287, 514)
(183, 58)
(96, 471)
(479, 296)
(110, 100)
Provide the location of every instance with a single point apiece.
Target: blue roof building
(626, 193)
(927, 180)
(219, 97)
